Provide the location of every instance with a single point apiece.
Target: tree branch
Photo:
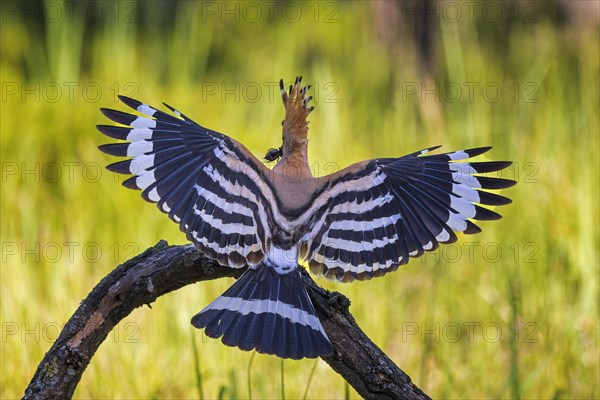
(162, 269)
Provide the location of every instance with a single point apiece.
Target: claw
(306, 100)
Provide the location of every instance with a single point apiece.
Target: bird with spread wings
(358, 223)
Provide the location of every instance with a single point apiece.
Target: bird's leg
(294, 152)
(295, 126)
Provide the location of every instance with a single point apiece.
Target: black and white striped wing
(205, 181)
(384, 211)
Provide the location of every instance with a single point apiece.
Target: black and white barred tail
(269, 312)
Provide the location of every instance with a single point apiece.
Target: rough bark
(162, 269)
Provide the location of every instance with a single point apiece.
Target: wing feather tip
(484, 214)
(133, 103)
(131, 183)
(114, 149)
(472, 229)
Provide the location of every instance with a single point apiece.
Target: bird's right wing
(374, 215)
(208, 183)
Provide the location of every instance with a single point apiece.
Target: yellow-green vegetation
(511, 312)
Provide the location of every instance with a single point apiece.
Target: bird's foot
(295, 95)
(295, 102)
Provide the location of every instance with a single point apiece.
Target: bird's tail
(269, 312)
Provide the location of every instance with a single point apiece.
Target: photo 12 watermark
(469, 332)
(47, 332)
(67, 92)
(54, 12)
(253, 92)
(76, 172)
(469, 92)
(470, 11)
(254, 12)
(71, 172)
(468, 251)
(67, 252)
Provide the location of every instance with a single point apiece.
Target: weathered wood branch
(162, 269)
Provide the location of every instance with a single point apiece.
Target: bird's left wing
(208, 183)
(378, 213)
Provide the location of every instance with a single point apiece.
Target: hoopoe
(360, 222)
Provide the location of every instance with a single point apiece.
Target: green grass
(540, 293)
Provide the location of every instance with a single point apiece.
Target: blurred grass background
(510, 313)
